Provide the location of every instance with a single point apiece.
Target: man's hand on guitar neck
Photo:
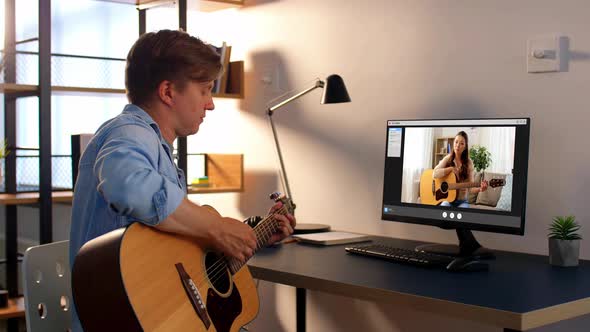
(286, 223)
(229, 236)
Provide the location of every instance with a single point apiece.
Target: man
(127, 173)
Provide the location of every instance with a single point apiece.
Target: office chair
(47, 288)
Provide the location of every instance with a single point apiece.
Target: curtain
(500, 143)
(418, 145)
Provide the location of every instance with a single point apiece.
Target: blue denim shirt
(126, 174)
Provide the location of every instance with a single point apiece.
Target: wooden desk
(520, 292)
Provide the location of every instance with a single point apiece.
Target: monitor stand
(468, 246)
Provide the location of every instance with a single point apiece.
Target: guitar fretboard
(463, 185)
(263, 231)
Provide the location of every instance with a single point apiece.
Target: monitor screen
(457, 174)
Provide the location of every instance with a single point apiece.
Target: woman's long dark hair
(464, 157)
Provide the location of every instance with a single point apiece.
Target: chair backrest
(47, 288)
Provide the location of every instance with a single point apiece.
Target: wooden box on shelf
(225, 173)
(235, 81)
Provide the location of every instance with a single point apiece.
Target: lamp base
(304, 228)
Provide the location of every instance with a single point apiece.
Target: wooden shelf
(228, 95)
(33, 198)
(19, 88)
(83, 89)
(213, 189)
(16, 308)
(225, 172)
(12, 88)
(26, 88)
(213, 5)
(202, 5)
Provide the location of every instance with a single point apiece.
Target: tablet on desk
(331, 238)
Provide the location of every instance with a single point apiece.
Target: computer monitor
(434, 171)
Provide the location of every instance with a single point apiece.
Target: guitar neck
(263, 231)
(455, 186)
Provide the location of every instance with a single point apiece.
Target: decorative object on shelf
(334, 92)
(564, 241)
(200, 182)
(4, 151)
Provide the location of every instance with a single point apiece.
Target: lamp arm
(283, 174)
(317, 84)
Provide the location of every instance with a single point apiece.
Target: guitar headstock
(497, 183)
(287, 202)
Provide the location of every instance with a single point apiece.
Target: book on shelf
(220, 84)
(225, 62)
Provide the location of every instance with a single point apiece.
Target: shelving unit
(12, 92)
(441, 149)
(225, 171)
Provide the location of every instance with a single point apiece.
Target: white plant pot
(564, 252)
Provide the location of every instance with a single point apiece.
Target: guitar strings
(218, 268)
(221, 264)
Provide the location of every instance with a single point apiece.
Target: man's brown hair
(168, 55)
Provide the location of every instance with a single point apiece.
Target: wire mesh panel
(27, 173)
(71, 70)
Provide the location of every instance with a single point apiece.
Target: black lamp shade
(335, 91)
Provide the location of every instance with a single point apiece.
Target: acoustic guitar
(435, 191)
(140, 279)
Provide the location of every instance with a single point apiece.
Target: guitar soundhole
(217, 272)
(444, 187)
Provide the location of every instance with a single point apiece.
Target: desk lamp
(334, 92)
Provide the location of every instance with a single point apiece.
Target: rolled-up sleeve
(128, 177)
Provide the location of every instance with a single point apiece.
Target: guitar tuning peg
(276, 196)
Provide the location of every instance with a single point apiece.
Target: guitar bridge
(193, 294)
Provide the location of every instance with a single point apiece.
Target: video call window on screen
(428, 151)
(457, 173)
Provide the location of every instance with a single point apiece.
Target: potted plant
(564, 241)
(481, 157)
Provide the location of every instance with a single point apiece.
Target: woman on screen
(459, 163)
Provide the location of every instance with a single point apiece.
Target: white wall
(400, 59)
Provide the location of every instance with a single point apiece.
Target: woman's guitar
(141, 279)
(435, 191)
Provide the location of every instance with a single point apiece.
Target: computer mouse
(467, 264)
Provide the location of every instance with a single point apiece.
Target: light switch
(544, 54)
(269, 76)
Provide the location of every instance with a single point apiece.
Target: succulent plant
(564, 228)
